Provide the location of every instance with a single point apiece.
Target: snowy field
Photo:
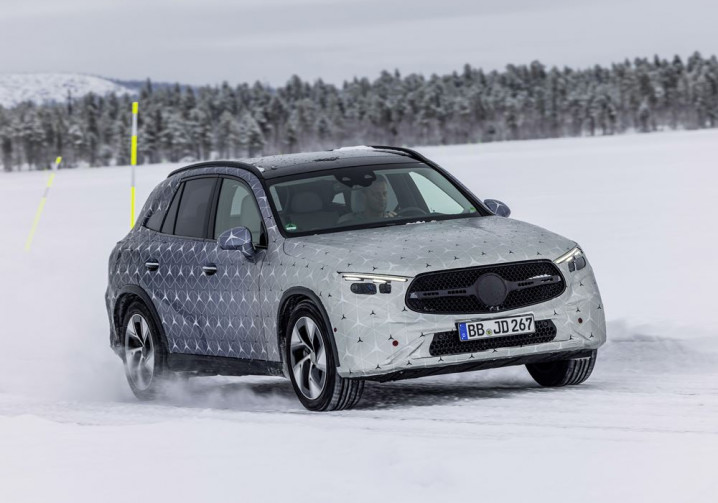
(643, 428)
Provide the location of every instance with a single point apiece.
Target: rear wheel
(311, 366)
(144, 356)
(563, 372)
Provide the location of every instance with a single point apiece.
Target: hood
(408, 250)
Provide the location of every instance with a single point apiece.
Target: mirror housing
(497, 207)
(238, 238)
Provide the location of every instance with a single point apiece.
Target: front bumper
(483, 364)
(378, 336)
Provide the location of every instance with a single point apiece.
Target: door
(233, 315)
(175, 279)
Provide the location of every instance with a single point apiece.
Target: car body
(387, 298)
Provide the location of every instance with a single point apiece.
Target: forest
(184, 123)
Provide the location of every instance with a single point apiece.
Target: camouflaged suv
(332, 268)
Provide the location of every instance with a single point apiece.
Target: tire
(309, 355)
(563, 372)
(144, 355)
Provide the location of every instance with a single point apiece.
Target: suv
(332, 268)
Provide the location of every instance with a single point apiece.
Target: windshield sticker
(290, 227)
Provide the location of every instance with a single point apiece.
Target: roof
(275, 166)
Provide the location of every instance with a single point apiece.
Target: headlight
(365, 284)
(376, 278)
(575, 258)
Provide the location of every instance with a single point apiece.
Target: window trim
(249, 169)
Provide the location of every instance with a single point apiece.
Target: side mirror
(497, 207)
(238, 238)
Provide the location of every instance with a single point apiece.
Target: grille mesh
(449, 343)
(460, 281)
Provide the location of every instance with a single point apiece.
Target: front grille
(449, 343)
(456, 292)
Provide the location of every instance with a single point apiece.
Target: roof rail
(220, 164)
(410, 152)
(353, 147)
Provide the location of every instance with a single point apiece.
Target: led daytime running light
(376, 278)
(573, 253)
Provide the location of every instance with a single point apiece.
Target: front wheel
(563, 372)
(310, 361)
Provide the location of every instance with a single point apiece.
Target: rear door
(176, 280)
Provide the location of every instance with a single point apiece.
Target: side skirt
(221, 365)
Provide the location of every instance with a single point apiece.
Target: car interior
(323, 203)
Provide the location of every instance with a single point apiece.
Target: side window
(193, 211)
(237, 207)
(155, 221)
(434, 196)
(168, 227)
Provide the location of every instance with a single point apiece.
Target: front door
(233, 317)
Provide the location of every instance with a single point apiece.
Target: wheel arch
(125, 297)
(291, 298)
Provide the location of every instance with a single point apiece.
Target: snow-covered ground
(643, 428)
(42, 87)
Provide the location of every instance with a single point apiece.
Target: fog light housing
(363, 288)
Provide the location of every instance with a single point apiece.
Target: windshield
(366, 196)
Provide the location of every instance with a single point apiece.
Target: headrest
(358, 200)
(306, 202)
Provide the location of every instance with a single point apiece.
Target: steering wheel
(411, 211)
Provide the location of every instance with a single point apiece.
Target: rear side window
(168, 227)
(155, 221)
(194, 207)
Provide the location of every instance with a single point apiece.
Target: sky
(210, 41)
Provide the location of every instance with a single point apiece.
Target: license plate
(514, 325)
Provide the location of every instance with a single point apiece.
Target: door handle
(152, 265)
(209, 269)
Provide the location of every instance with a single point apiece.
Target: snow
(643, 428)
(43, 87)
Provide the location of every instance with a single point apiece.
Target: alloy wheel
(139, 352)
(308, 358)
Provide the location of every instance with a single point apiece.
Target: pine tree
(6, 141)
(644, 116)
(252, 137)
(121, 140)
(292, 135)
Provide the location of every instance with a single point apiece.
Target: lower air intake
(448, 343)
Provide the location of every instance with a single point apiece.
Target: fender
(306, 292)
(140, 292)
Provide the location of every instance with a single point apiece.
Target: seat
(307, 212)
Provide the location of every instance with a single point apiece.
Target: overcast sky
(208, 41)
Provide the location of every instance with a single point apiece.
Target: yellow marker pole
(133, 161)
(38, 213)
